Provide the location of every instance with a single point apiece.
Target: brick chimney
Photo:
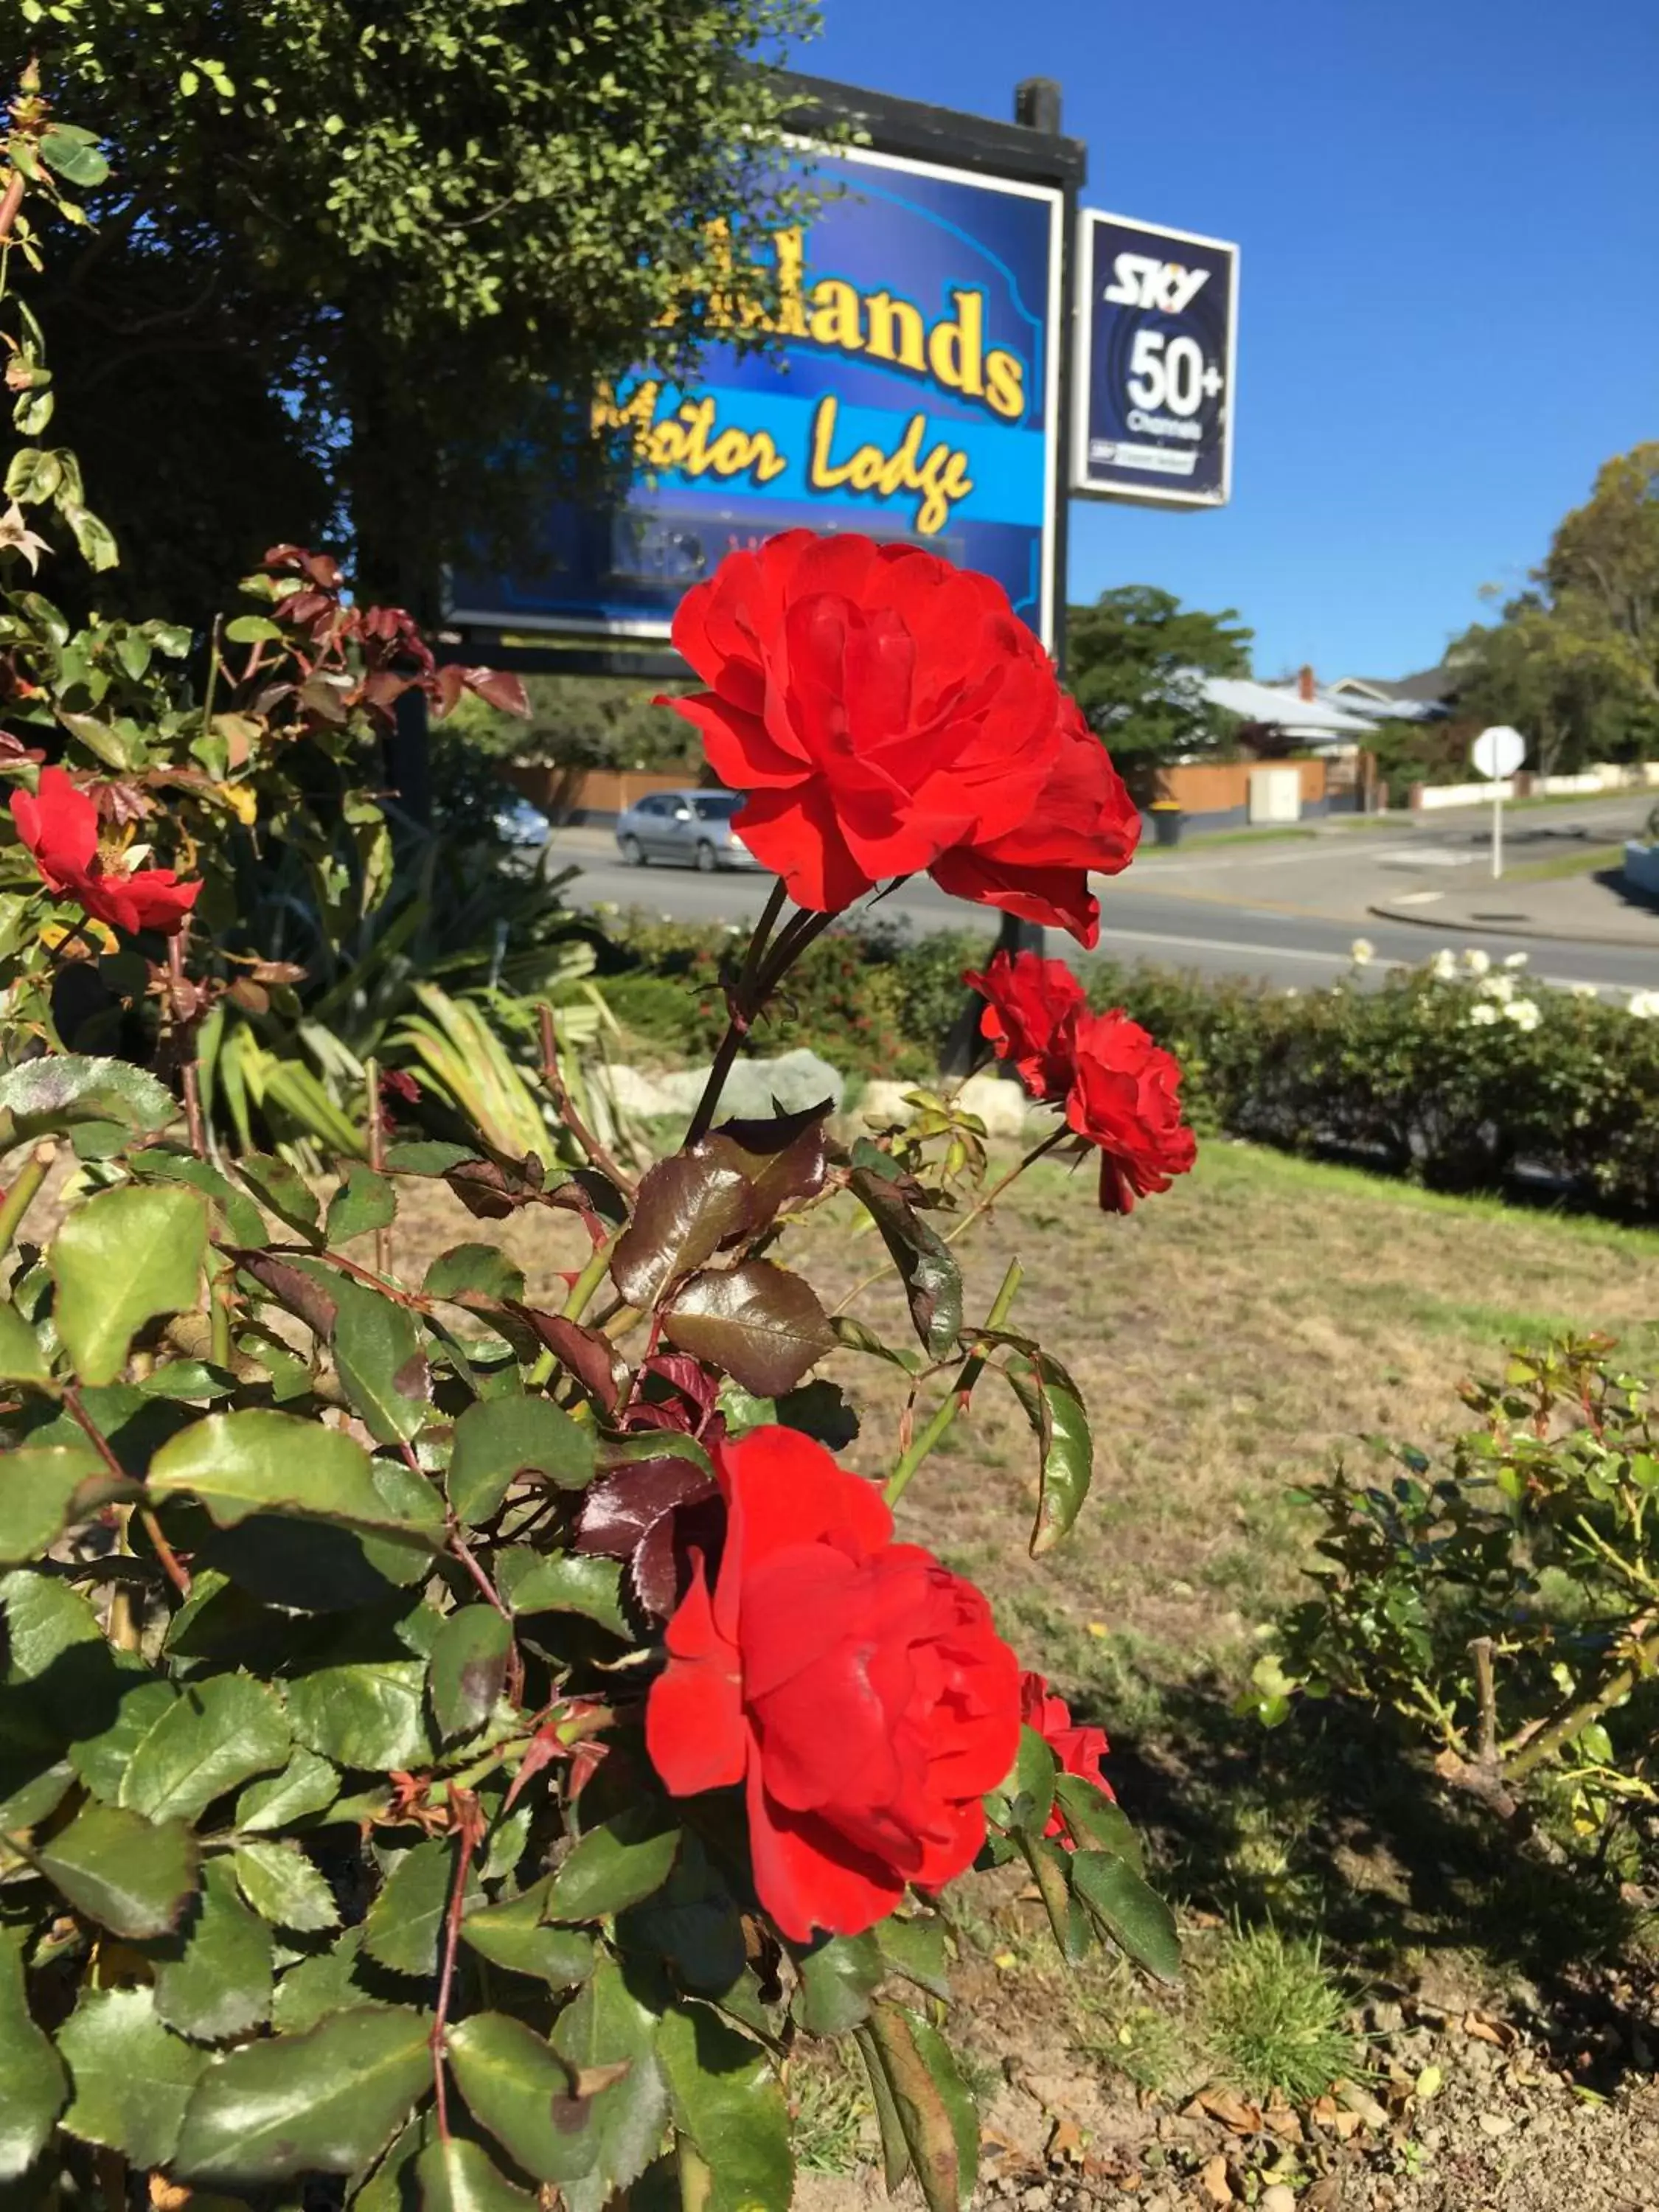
(1304, 683)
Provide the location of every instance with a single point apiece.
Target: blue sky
(1448, 212)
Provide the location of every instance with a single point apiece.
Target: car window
(717, 806)
(651, 805)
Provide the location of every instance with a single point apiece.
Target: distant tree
(348, 258)
(1135, 660)
(1573, 662)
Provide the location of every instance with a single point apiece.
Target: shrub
(1502, 1607)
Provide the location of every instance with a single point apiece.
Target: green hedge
(1460, 1079)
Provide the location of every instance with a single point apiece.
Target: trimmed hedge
(1461, 1078)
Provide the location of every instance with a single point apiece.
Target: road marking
(1319, 960)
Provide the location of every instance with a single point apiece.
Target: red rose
(1080, 1750)
(1083, 818)
(853, 1686)
(60, 829)
(1121, 1091)
(878, 705)
(1031, 1006)
(1126, 1097)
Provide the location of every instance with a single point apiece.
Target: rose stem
(972, 1368)
(745, 1006)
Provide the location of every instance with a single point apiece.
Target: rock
(1276, 2198)
(1493, 2123)
(794, 1079)
(1001, 1104)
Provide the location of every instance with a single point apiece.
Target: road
(1286, 912)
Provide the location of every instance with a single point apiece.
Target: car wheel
(706, 863)
(633, 852)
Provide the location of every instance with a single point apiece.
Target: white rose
(1362, 952)
(1476, 961)
(1515, 960)
(1524, 1012)
(1642, 1006)
(1483, 1014)
(1499, 986)
(1584, 990)
(1443, 966)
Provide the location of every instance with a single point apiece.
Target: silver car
(692, 827)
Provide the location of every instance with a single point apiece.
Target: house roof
(1428, 687)
(1282, 707)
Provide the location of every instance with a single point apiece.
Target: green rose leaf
(759, 1322)
(259, 1461)
(613, 1866)
(46, 1095)
(931, 1279)
(306, 1784)
(46, 1489)
(933, 2107)
(130, 1875)
(214, 1980)
(21, 1359)
(511, 1935)
(405, 1919)
(222, 1731)
(1095, 1820)
(470, 1273)
(282, 1189)
(563, 1582)
(326, 1983)
(516, 2088)
(468, 1667)
(686, 1209)
(383, 1369)
(36, 2085)
(604, 2030)
(913, 1946)
(1054, 1406)
(283, 1885)
(242, 1217)
(364, 1201)
(502, 1440)
(1133, 1915)
(729, 2101)
(460, 2176)
(133, 2077)
(365, 1713)
(73, 153)
(323, 2102)
(838, 1982)
(119, 1262)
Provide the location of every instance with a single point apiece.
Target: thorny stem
(464, 1813)
(980, 1206)
(188, 1054)
(581, 1297)
(553, 1077)
(748, 994)
(21, 1195)
(957, 1397)
(1572, 1725)
(175, 1572)
(376, 1135)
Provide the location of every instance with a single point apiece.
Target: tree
(1135, 660)
(1573, 662)
(368, 251)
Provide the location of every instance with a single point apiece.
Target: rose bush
(455, 1741)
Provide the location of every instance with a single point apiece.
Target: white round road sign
(1499, 752)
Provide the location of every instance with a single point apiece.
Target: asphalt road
(1204, 933)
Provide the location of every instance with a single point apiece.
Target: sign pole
(1496, 754)
(1497, 831)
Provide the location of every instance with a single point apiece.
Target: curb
(1422, 918)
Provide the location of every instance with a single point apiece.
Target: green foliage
(1502, 1608)
(419, 232)
(1275, 2017)
(1574, 661)
(1133, 658)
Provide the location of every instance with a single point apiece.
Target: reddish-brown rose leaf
(786, 1158)
(588, 1352)
(654, 1515)
(762, 1324)
(686, 1208)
